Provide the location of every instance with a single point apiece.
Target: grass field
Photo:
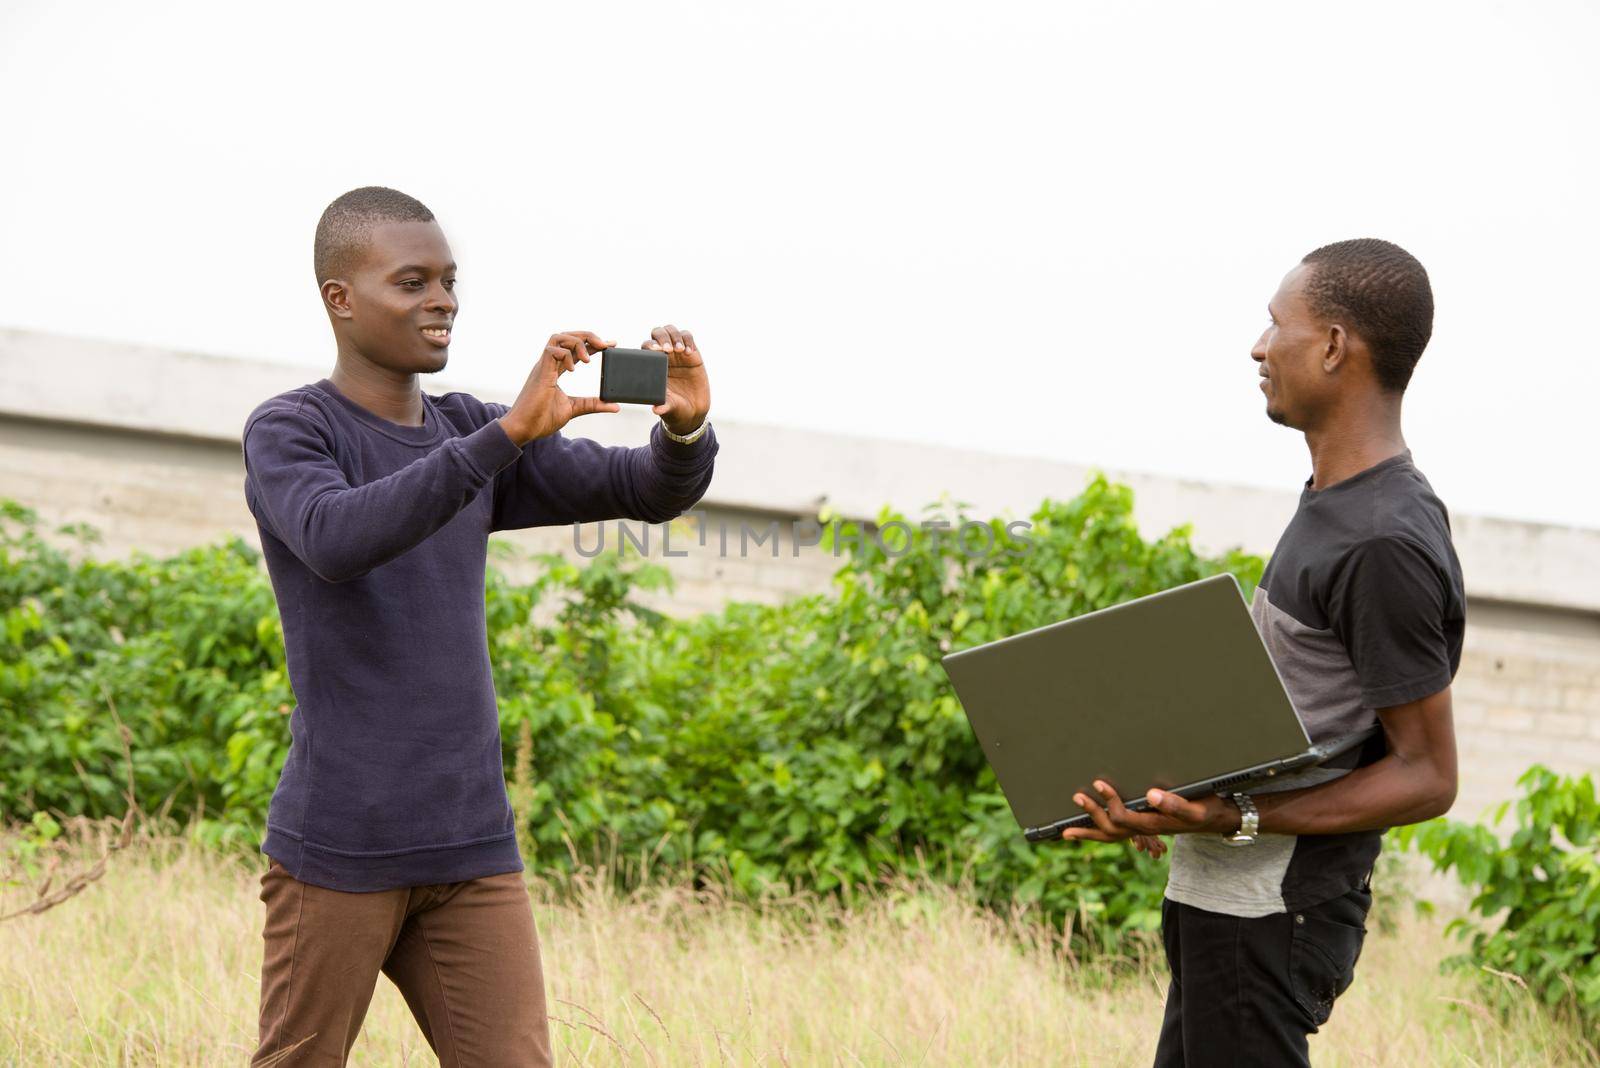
(157, 964)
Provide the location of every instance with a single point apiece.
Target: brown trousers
(464, 955)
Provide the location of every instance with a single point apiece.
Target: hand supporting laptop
(1173, 815)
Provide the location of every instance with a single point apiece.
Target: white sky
(1040, 229)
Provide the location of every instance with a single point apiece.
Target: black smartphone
(633, 376)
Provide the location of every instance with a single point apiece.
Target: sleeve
(341, 531)
(1387, 607)
(574, 480)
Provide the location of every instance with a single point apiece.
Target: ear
(336, 295)
(1336, 350)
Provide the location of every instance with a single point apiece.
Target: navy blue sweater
(375, 535)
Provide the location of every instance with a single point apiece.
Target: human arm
(1414, 781)
(567, 480)
(340, 531)
(1387, 603)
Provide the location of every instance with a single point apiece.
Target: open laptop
(1174, 690)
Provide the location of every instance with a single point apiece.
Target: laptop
(1174, 690)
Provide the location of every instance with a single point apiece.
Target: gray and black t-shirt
(1362, 608)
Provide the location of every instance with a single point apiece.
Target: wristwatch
(686, 439)
(1249, 820)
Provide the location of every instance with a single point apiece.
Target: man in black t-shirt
(1362, 608)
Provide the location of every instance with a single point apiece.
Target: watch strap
(690, 438)
(1249, 821)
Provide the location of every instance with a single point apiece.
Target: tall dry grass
(157, 963)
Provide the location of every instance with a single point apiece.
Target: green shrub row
(814, 744)
(809, 745)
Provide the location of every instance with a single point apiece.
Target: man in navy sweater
(391, 839)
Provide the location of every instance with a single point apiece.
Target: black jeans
(1249, 991)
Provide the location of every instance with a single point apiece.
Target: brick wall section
(1523, 697)
(1528, 689)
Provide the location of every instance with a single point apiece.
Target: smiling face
(1297, 356)
(397, 304)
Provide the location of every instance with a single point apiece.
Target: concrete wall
(144, 444)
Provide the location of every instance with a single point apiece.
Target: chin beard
(1277, 416)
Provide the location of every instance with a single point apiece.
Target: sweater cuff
(490, 450)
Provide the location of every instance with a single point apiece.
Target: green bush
(1546, 882)
(814, 744)
(177, 649)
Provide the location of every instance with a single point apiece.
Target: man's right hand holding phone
(542, 408)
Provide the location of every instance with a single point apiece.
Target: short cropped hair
(347, 224)
(1379, 291)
